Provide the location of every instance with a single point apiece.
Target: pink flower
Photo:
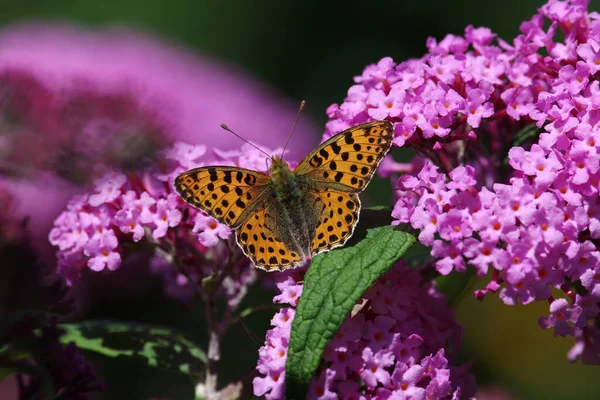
(590, 53)
(167, 215)
(378, 331)
(590, 280)
(406, 380)
(290, 291)
(518, 102)
(210, 230)
(450, 256)
(561, 318)
(100, 249)
(478, 107)
(454, 225)
(321, 388)
(462, 178)
(375, 364)
(426, 217)
(107, 189)
(535, 163)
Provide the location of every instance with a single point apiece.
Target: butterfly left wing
(348, 160)
(228, 194)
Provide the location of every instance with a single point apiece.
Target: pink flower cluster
(398, 345)
(98, 228)
(508, 178)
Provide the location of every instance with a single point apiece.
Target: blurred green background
(311, 50)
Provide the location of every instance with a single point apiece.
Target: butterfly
(282, 219)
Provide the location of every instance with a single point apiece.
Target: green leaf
(380, 208)
(526, 134)
(155, 346)
(333, 284)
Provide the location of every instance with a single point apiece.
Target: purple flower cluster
(97, 229)
(509, 145)
(398, 344)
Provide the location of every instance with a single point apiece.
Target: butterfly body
(283, 218)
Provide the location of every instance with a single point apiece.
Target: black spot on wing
(348, 138)
(212, 173)
(316, 161)
(336, 148)
(227, 177)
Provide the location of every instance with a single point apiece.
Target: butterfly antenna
(302, 104)
(251, 144)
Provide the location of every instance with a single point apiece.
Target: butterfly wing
(336, 172)
(339, 216)
(348, 160)
(228, 194)
(266, 241)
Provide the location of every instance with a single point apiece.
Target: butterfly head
(283, 179)
(279, 169)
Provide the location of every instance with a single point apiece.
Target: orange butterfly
(283, 218)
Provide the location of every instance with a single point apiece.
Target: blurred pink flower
(190, 95)
(38, 201)
(11, 229)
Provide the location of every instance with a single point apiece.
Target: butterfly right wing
(262, 240)
(348, 160)
(338, 218)
(228, 194)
